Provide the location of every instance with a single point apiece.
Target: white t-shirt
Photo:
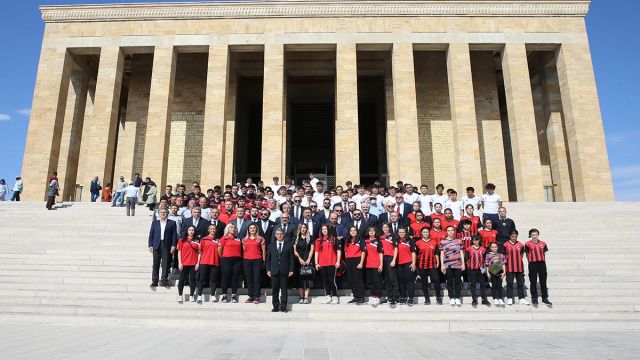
(442, 199)
(410, 199)
(313, 183)
(455, 206)
(473, 201)
(424, 203)
(491, 203)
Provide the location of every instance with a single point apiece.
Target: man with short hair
(287, 228)
(198, 222)
(312, 226)
(118, 196)
(472, 199)
(425, 200)
(409, 196)
(219, 224)
(313, 180)
(369, 218)
(297, 208)
(162, 240)
(94, 188)
(241, 223)
(265, 226)
(491, 203)
(504, 225)
(438, 197)
(131, 198)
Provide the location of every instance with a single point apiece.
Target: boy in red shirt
(513, 251)
(536, 258)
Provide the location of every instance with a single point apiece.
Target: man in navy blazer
(279, 269)
(162, 240)
(198, 221)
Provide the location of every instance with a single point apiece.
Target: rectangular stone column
(463, 116)
(273, 102)
(522, 123)
(347, 153)
(158, 120)
(230, 129)
(407, 142)
(558, 158)
(46, 120)
(101, 126)
(583, 122)
(213, 141)
(72, 132)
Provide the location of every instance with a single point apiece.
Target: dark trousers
(131, 206)
(160, 258)
(519, 277)
(208, 273)
(230, 267)
(496, 287)
(355, 277)
(434, 274)
(187, 271)
(50, 201)
(280, 285)
(15, 196)
(454, 283)
(328, 274)
(374, 282)
(493, 217)
(538, 271)
(407, 281)
(476, 276)
(94, 196)
(253, 276)
(390, 277)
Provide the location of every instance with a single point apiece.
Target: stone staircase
(88, 264)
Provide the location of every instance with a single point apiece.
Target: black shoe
(410, 301)
(392, 301)
(275, 309)
(360, 301)
(353, 301)
(283, 309)
(164, 283)
(154, 284)
(427, 301)
(474, 303)
(546, 301)
(534, 301)
(439, 301)
(485, 302)
(403, 300)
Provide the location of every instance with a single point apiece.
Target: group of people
(15, 191)
(376, 237)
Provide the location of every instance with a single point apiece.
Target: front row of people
(388, 264)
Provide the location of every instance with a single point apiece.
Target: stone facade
(475, 92)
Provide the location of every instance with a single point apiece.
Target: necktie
(298, 212)
(195, 222)
(284, 228)
(357, 225)
(279, 247)
(395, 227)
(239, 224)
(264, 226)
(366, 217)
(398, 209)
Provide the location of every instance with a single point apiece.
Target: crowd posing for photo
(355, 237)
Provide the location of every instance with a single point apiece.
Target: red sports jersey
(437, 235)
(327, 251)
(389, 244)
(535, 251)
(465, 237)
(446, 223)
(252, 248)
(427, 252)
(513, 253)
(416, 228)
(374, 249)
(209, 251)
(475, 257)
(224, 216)
(231, 247)
(488, 237)
(406, 247)
(475, 223)
(436, 216)
(188, 252)
(353, 249)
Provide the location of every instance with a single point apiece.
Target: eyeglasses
(313, 206)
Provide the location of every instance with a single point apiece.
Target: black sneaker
(353, 301)
(410, 301)
(485, 302)
(534, 301)
(546, 301)
(392, 301)
(154, 284)
(474, 303)
(360, 301)
(439, 301)
(234, 298)
(427, 301)
(403, 300)
(225, 299)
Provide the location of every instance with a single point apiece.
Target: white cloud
(626, 182)
(5, 117)
(25, 112)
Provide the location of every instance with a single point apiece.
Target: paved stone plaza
(59, 342)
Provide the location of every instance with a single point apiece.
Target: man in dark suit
(162, 240)
(241, 223)
(196, 220)
(313, 226)
(402, 208)
(359, 223)
(265, 226)
(369, 218)
(297, 210)
(338, 231)
(279, 269)
(385, 217)
(220, 226)
(288, 228)
(322, 216)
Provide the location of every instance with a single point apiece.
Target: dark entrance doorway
(372, 129)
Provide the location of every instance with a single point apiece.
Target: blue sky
(612, 32)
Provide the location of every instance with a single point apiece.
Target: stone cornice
(311, 9)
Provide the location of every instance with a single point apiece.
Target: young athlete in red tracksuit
(327, 259)
(428, 265)
(188, 260)
(354, 254)
(406, 266)
(209, 263)
(513, 251)
(374, 264)
(536, 258)
(475, 265)
(389, 270)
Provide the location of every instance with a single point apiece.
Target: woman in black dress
(303, 252)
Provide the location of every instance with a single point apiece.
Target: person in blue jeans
(118, 195)
(95, 188)
(17, 189)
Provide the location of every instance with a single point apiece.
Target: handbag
(495, 268)
(306, 270)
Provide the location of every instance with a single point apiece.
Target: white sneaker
(509, 301)
(458, 302)
(199, 301)
(375, 301)
(452, 302)
(180, 299)
(501, 302)
(193, 298)
(524, 302)
(327, 300)
(370, 302)
(335, 300)
(214, 298)
(496, 302)
(301, 301)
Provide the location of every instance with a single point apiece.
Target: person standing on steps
(536, 257)
(131, 198)
(94, 189)
(327, 259)
(18, 187)
(495, 277)
(51, 194)
(230, 251)
(3, 189)
(189, 262)
(280, 268)
(513, 251)
(428, 265)
(162, 241)
(452, 264)
(475, 260)
(354, 254)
